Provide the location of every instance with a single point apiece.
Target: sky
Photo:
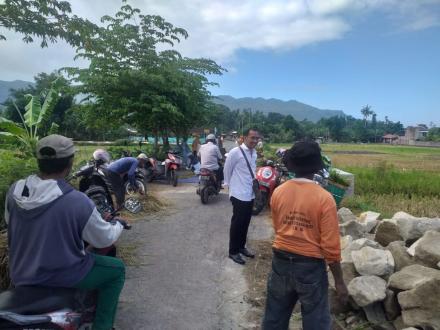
(331, 54)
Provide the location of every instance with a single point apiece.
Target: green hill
(6, 86)
(298, 110)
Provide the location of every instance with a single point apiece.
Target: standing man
(306, 241)
(239, 178)
(210, 156)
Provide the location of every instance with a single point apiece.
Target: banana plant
(35, 115)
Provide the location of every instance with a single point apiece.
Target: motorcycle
(208, 185)
(95, 185)
(269, 177)
(34, 307)
(156, 170)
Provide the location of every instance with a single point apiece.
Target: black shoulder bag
(255, 184)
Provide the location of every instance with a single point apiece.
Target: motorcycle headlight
(267, 173)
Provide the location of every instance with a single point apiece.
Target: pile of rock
(391, 268)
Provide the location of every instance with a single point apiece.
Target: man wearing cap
(210, 156)
(47, 223)
(117, 170)
(306, 241)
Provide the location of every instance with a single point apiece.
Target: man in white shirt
(210, 156)
(239, 179)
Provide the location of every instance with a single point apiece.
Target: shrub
(13, 166)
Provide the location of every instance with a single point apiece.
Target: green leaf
(11, 128)
(33, 109)
(49, 102)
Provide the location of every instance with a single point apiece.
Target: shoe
(237, 258)
(247, 253)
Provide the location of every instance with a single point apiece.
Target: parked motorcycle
(208, 185)
(269, 177)
(34, 307)
(157, 170)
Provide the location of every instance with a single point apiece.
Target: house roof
(390, 136)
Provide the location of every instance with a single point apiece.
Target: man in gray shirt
(210, 156)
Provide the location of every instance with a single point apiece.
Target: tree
(49, 20)
(366, 112)
(130, 82)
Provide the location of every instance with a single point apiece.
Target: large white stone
(371, 261)
(366, 290)
(413, 228)
(411, 276)
(345, 215)
(427, 250)
(357, 245)
(369, 220)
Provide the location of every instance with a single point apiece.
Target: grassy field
(389, 178)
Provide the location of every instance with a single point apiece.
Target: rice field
(389, 178)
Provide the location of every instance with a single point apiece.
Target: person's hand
(342, 291)
(106, 216)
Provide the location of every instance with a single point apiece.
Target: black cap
(304, 158)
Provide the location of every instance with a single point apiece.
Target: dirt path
(183, 278)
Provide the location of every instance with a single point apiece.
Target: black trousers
(241, 217)
(117, 186)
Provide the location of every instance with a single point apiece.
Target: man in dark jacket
(47, 223)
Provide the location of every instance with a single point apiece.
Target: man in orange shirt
(306, 240)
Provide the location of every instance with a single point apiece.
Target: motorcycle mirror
(133, 205)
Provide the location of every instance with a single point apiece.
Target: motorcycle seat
(31, 300)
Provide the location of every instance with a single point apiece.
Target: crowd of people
(48, 221)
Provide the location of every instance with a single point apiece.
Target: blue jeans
(292, 278)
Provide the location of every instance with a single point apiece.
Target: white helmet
(210, 137)
(280, 152)
(142, 156)
(101, 154)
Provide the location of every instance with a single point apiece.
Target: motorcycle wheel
(174, 178)
(260, 203)
(130, 190)
(98, 196)
(204, 195)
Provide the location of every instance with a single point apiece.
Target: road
(183, 278)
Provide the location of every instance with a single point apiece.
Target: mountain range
(298, 110)
(6, 86)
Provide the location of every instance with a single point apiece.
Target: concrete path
(184, 279)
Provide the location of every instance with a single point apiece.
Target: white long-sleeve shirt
(237, 175)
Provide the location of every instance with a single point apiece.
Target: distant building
(390, 138)
(413, 134)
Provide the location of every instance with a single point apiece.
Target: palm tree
(366, 112)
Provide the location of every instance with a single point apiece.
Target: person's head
(251, 137)
(304, 159)
(142, 159)
(101, 156)
(55, 155)
(211, 138)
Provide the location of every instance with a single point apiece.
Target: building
(390, 138)
(413, 134)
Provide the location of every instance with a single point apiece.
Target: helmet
(142, 156)
(101, 154)
(210, 137)
(280, 152)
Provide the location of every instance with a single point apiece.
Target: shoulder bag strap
(247, 162)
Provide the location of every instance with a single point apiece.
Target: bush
(13, 166)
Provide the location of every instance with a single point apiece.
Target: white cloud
(218, 29)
